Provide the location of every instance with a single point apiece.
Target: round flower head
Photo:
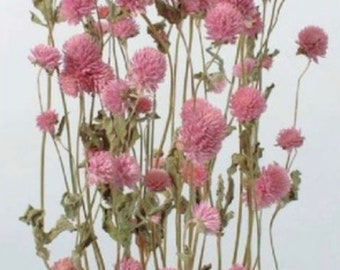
(103, 11)
(130, 264)
(289, 138)
(126, 171)
(73, 11)
(157, 180)
(223, 23)
(64, 264)
(313, 42)
(253, 25)
(134, 6)
(247, 104)
(147, 69)
(245, 68)
(217, 82)
(245, 7)
(207, 217)
(203, 129)
(100, 168)
(124, 28)
(47, 120)
(195, 174)
(195, 6)
(113, 94)
(238, 267)
(45, 56)
(272, 186)
(143, 105)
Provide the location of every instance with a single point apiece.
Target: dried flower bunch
(148, 180)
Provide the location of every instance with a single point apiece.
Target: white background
(307, 232)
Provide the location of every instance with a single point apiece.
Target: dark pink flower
(238, 267)
(157, 180)
(247, 104)
(245, 68)
(313, 42)
(203, 129)
(73, 11)
(124, 28)
(64, 264)
(113, 94)
(272, 186)
(134, 6)
(100, 168)
(45, 56)
(147, 69)
(126, 171)
(223, 23)
(143, 104)
(103, 11)
(289, 138)
(206, 216)
(130, 264)
(47, 120)
(195, 174)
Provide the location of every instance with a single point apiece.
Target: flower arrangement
(140, 155)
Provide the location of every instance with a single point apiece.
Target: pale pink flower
(217, 82)
(203, 129)
(195, 174)
(238, 267)
(147, 69)
(45, 56)
(124, 28)
(134, 6)
(73, 11)
(130, 264)
(223, 23)
(272, 186)
(289, 138)
(126, 171)
(113, 95)
(195, 6)
(47, 120)
(64, 264)
(157, 180)
(100, 168)
(206, 216)
(313, 42)
(156, 219)
(143, 104)
(244, 69)
(247, 104)
(267, 62)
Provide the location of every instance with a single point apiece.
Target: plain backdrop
(307, 232)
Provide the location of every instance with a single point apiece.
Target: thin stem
(278, 207)
(202, 253)
(61, 164)
(42, 172)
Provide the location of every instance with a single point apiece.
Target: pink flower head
(273, 185)
(103, 11)
(289, 138)
(143, 104)
(206, 216)
(101, 27)
(147, 69)
(157, 180)
(247, 104)
(253, 25)
(195, 174)
(45, 56)
(238, 267)
(245, 68)
(203, 129)
(217, 82)
(313, 42)
(245, 7)
(223, 23)
(113, 94)
(267, 62)
(126, 171)
(47, 120)
(124, 28)
(73, 11)
(130, 264)
(134, 6)
(195, 6)
(64, 264)
(100, 168)
(84, 70)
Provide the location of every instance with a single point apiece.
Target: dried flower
(64, 264)
(313, 42)
(113, 94)
(195, 174)
(47, 120)
(134, 6)
(267, 62)
(247, 104)
(206, 216)
(157, 180)
(143, 104)
(103, 11)
(245, 68)
(217, 82)
(100, 168)
(130, 264)
(126, 171)
(289, 138)
(195, 6)
(238, 267)
(203, 129)
(124, 28)
(45, 56)
(73, 11)
(273, 185)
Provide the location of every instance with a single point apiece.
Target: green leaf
(60, 127)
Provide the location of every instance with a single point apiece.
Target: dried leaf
(71, 203)
(37, 20)
(171, 14)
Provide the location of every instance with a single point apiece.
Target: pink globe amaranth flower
(113, 94)
(247, 104)
(157, 180)
(103, 11)
(100, 168)
(313, 42)
(195, 6)
(134, 6)
(289, 138)
(64, 264)
(245, 68)
(130, 264)
(223, 23)
(195, 174)
(238, 267)
(126, 171)
(45, 56)
(207, 216)
(203, 129)
(272, 186)
(253, 25)
(84, 70)
(47, 120)
(73, 11)
(102, 27)
(245, 7)
(267, 62)
(217, 82)
(124, 28)
(147, 69)
(143, 104)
